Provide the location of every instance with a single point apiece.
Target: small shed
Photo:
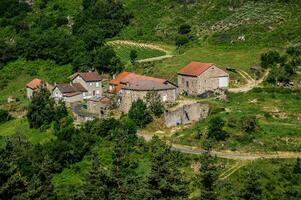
(32, 86)
(99, 105)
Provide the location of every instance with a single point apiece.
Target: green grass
(241, 58)
(216, 21)
(20, 72)
(274, 175)
(278, 114)
(20, 126)
(123, 52)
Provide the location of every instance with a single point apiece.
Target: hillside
(246, 148)
(247, 22)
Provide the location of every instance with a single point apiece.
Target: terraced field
(123, 51)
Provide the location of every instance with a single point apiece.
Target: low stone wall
(186, 114)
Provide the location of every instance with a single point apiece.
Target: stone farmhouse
(91, 81)
(34, 85)
(197, 78)
(83, 85)
(130, 87)
(69, 92)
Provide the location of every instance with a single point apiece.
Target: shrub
(215, 129)
(249, 124)
(181, 40)
(140, 114)
(4, 116)
(154, 103)
(184, 29)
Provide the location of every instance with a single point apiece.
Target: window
(97, 84)
(97, 91)
(187, 84)
(183, 80)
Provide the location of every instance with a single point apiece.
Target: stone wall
(209, 80)
(186, 114)
(129, 96)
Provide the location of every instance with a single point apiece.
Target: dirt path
(251, 83)
(145, 45)
(154, 58)
(236, 155)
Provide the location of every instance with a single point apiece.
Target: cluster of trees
(43, 110)
(143, 112)
(79, 40)
(184, 35)
(283, 67)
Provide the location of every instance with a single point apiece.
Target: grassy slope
(216, 21)
(278, 116)
(273, 175)
(20, 126)
(21, 72)
(123, 52)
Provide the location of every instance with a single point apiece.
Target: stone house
(32, 86)
(99, 106)
(91, 81)
(130, 87)
(198, 78)
(70, 93)
(185, 114)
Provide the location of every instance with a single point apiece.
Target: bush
(215, 129)
(184, 29)
(249, 124)
(181, 40)
(154, 103)
(4, 116)
(140, 114)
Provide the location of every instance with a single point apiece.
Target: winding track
(251, 83)
(144, 45)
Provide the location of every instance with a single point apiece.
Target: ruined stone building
(130, 87)
(185, 114)
(198, 78)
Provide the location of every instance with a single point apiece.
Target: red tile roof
(89, 76)
(119, 78)
(35, 83)
(195, 69)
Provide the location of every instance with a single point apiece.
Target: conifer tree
(165, 180)
(208, 174)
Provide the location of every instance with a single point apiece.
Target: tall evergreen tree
(140, 113)
(98, 182)
(165, 180)
(252, 187)
(208, 174)
(41, 110)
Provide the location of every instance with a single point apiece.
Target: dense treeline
(79, 40)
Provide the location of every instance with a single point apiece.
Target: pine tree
(140, 113)
(41, 110)
(252, 188)
(297, 167)
(98, 182)
(208, 174)
(165, 180)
